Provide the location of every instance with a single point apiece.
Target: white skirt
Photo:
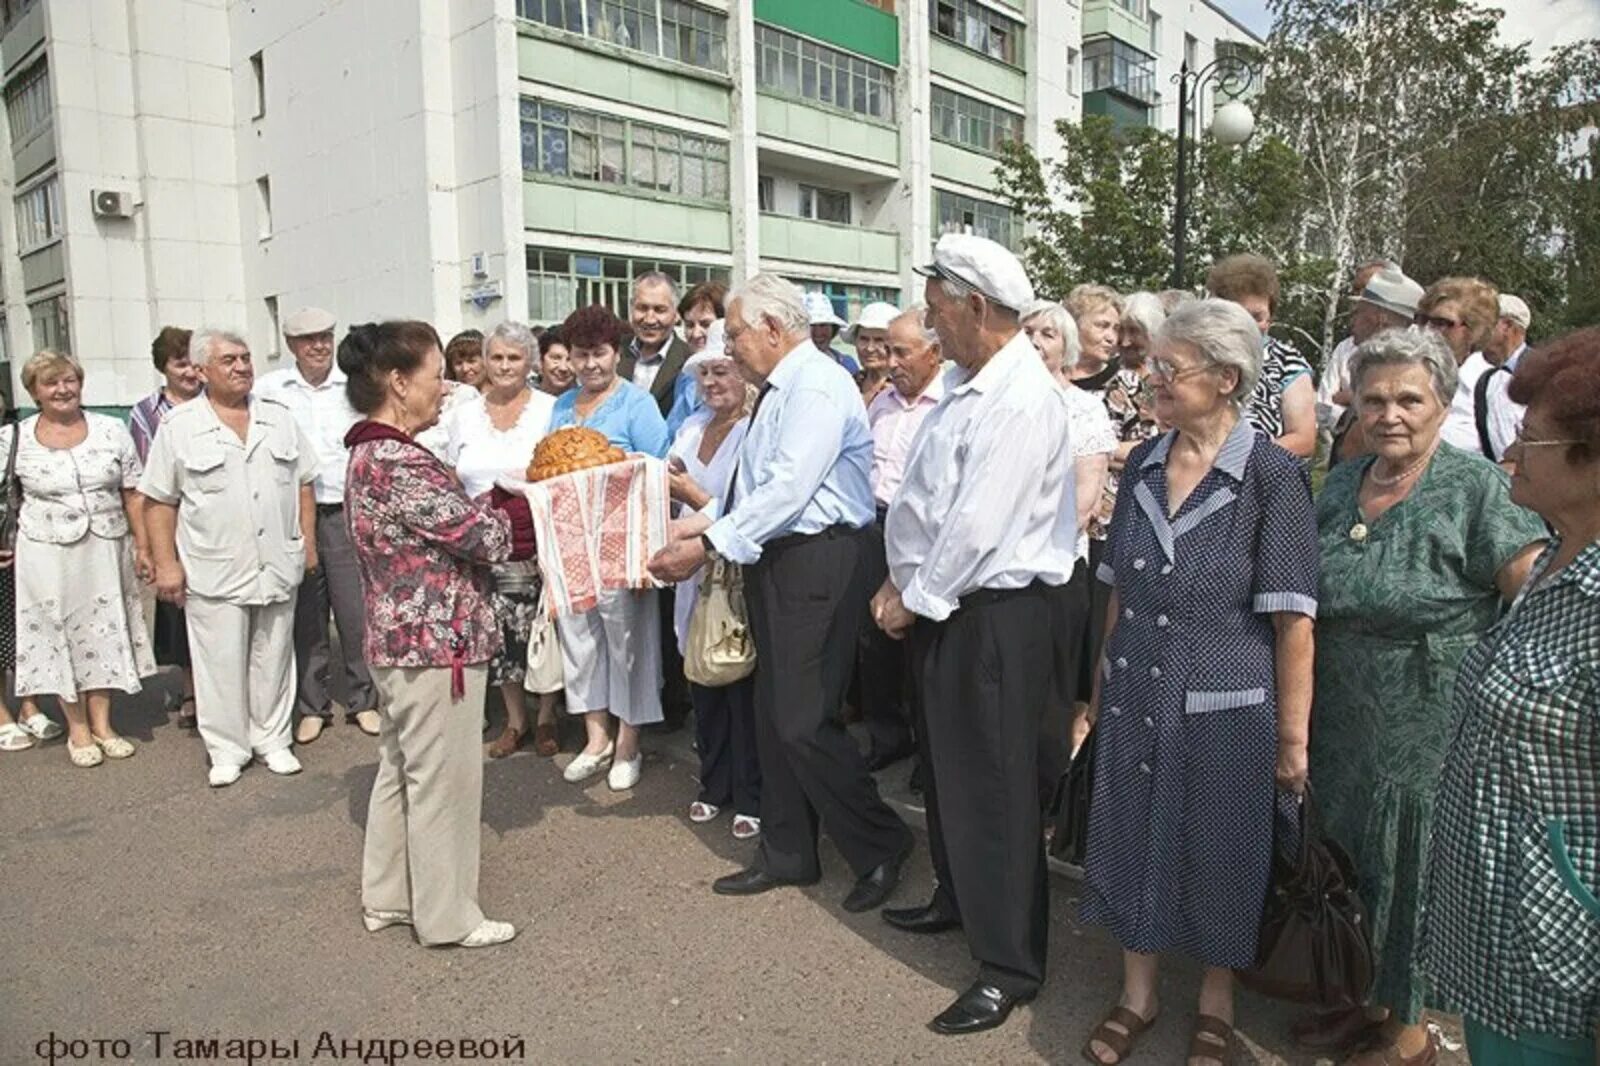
(80, 623)
(612, 656)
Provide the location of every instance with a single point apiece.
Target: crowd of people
(1002, 523)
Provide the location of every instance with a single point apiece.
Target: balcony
(827, 244)
(865, 27)
(620, 215)
(1125, 20)
(836, 132)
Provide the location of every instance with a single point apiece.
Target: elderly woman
(1421, 546)
(611, 654)
(1205, 688)
(1097, 311)
(699, 309)
(1284, 404)
(431, 631)
(31, 724)
(870, 336)
(463, 358)
(555, 364)
(492, 437)
(1511, 935)
(702, 462)
(79, 559)
(1463, 312)
(1129, 395)
(1055, 337)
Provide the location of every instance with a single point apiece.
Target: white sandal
(746, 827)
(40, 726)
(85, 757)
(14, 738)
(703, 812)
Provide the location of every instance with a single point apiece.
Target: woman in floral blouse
(424, 548)
(1511, 934)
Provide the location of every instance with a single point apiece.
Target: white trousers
(243, 676)
(612, 656)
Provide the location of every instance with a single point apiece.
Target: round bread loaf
(569, 450)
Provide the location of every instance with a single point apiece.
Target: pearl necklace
(1389, 482)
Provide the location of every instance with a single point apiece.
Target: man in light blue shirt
(798, 518)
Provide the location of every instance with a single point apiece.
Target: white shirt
(324, 413)
(1335, 379)
(645, 370)
(1461, 424)
(1090, 430)
(713, 477)
(895, 421)
(988, 499)
(480, 453)
(1505, 417)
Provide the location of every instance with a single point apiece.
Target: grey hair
(656, 277)
(955, 289)
(204, 338)
(929, 334)
(1172, 299)
(1409, 346)
(515, 334)
(1058, 316)
(1146, 311)
(1224, 334)
(768, 295)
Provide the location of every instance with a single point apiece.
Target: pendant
(1358, 532)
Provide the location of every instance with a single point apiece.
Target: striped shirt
(145, 419)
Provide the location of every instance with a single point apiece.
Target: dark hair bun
(358, 349)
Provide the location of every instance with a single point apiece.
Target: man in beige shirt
(230, 516)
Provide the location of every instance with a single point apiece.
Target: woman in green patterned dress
(1421, 545)
(1511, 934)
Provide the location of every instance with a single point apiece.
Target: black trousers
(335, 585)
(883, 668)
(807, 600)
(1094, 634)
(1069, 619)
(725, 734)
(982, 676)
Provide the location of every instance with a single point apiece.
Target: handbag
(545, 670)
(1070, 839)
(11, 500)
(1314, 944)
(720, 648)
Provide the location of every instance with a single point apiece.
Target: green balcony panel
(800, 240)
(44, 267)
(644, 83)
(602, 213)
(962, 164)
(979, 71)
(818, 127)
(1112, 20)
(850, 24)
(1121, 110)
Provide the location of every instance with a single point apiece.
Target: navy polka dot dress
(1181, 820)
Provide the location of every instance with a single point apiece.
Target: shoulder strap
(1480, 410)
(11, 453)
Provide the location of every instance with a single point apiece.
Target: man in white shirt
(895, 415)
(313, 390)
(655, 356)
(979, 534)
(1387, 300)
(1499, 416)
(1333, 388)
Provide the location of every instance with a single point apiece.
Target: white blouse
(714, 478)
(1090, 431)
(480, 453)
(68, 493)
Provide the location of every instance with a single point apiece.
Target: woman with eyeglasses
(1511, 937)
(1462, 311)
(1422, 547)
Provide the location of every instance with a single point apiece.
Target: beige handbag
(545, 672)
(720, 649)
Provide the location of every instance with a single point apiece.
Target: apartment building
(225, 161)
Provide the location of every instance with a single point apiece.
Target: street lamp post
(1232, 124)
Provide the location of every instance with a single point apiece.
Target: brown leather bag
(1314, 945)
(11, 493)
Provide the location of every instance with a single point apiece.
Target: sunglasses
(1435, 322)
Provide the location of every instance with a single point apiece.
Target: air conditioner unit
(112, 203)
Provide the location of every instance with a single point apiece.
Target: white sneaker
(376, 920)
(625, 773)
(282, 761)
(488, 934)
(583, 767)
(224, 774)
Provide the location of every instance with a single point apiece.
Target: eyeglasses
(1160, 368)
(1519, 442)
(1435, 322)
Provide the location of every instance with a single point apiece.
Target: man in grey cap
(1333, 386)
(980, 535)
(313, 390)
(1387, 300)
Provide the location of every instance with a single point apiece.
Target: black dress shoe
(754, 881)
(882, 760)
(914, 785)
(875, 886)
(928, 918)
(980, 1007)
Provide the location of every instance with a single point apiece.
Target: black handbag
(11, 498)
(1070, 838)
(1314, 945)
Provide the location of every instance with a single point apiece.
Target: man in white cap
(1333, 387)
(825, 325)
(1499, 420)
(797, 517)
(983, 527)
(313, 390)
(1387, 300)
(869, 335)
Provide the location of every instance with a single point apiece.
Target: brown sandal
(1211, 1040)
(546, 739)
(1121, 1043)
(506, 743)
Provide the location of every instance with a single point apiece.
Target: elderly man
(825, 324)
(982, 530)
(1499, 420)
(1387, 300)
(313, 391)
(231, 522)
(895, 416)
(798, 520)
(1333, 390)
(655, 357)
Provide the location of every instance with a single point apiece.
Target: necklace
(1416, 465)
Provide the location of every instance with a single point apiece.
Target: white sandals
(14, 738)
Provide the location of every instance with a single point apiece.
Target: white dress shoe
(583, 766)
(625, 773)
(282, 761)
(309, 729)
(376, 920)
(369, 722)
(488, 934)
(223, 774)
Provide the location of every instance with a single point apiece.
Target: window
(1155, 34)
(258, 82)
(848, 300)
(274, 330)
(962, 120)
(568, 142)
(1136, 8)
(1108, 64)
(1191, 51)
(824, 205)
(672, 29)
(954, 213)
(798, 67)
(263, 207)
(50, 324)
(970, 24)
(560, 282)
(28, 103)
(1074, 61)
(766, 193)
(39, 215)
(12, 10)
